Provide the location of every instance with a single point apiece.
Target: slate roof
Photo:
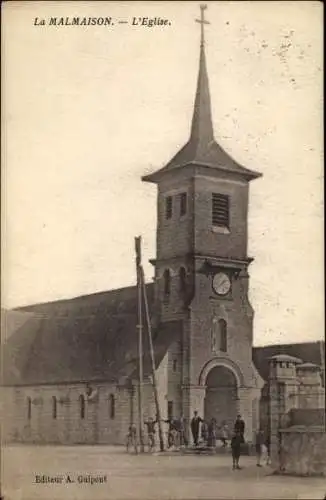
(308, 352)
(87, 338)
(94, 337)
(202, 149)
(285, 357)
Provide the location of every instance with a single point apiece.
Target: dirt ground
(108, 473)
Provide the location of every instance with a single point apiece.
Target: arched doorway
(221, 399)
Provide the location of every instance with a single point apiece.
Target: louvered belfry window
(220, 210)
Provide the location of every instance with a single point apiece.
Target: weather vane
(202, 21)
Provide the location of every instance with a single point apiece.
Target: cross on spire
(202, 132)
(202, 148)
(202, 21)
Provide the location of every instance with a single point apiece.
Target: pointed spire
(202, 149)
(202, 126)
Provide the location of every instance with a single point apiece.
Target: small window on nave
(82, 406)
(29, 408)
(112, 406)
(168, 207)
(182, 279)
(183, 204)
(54, 407)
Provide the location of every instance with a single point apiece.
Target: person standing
(132, 438)
(268, 448)
(212, 433)
(194, 425)
(183, 434)
(177, 436)
(150, 424)
(172, 432)
(204, 432)
(259, 446)
(239, 426)
(224, 434)
(236, 449)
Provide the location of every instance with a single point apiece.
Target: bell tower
(201, 267)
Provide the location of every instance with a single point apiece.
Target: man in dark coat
(236, 449)
(183, 432)
(194, 425)
(239, 426)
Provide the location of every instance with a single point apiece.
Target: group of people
(210, 433)
(262, 444)
(177, 434)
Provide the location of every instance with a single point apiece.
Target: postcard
(162, 250)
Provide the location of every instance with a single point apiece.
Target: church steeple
(202, 132)
(201, 150)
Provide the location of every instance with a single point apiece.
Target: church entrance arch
(221, 397)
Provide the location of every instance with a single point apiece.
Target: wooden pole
(158, 413)
(322, 361)
(140, 344)
(322, 355)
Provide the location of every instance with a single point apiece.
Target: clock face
(221, 284)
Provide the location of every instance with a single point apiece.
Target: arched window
(82, 406)
(168, 207)
(29, 408)
(54, 407)
(182, 279)
(183, 204)
(112, 406)
(223, 334)
(167, 282)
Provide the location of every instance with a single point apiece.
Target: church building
(70, 366)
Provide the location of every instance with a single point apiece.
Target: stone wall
(301, 416)
(52, 413)
(297, 431)
(303, 451)
(30, 415)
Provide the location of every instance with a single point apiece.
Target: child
(204, 432)
(259, 446)
(183, 432)
(268, 449)
(132, 438)
(150, 424)
(236, 449)
(172, 433)
(224, 434)
(212, 430)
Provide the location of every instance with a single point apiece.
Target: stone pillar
(245, 410)
(282, 393)
(255, 405)
(310, 386)
(193, 397)
(274, 422)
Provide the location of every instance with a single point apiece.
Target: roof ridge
(28, 307)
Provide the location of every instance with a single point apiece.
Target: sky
(88, 110)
